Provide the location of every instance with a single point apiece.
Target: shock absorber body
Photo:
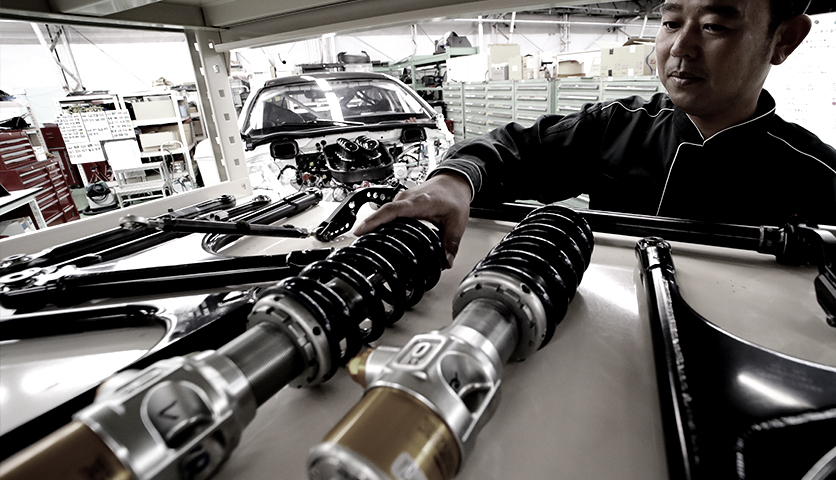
(426, 402)
(181, 418)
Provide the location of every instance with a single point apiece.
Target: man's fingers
(384, 214)
(452, 235)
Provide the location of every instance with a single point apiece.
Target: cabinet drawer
(567, 109)
(35, 178)
(533, 98)
(71, 213)
(532, 88)
(55, 218)
(506, 115)
(526, 120)
(45, 196)
(533, 108)
(19, 159)
(578, 96)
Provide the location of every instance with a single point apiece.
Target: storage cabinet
(645, 87)
(56, 146)
(500, 103)
(573, 93)
(20, 169)
(490, 105)
(532, 99)
(475, 109)
(454, 100)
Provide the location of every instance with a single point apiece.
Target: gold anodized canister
(396, 432)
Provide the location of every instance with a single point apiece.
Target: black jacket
(648, 157)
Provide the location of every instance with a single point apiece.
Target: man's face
(714, 55)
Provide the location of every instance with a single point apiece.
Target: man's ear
(789, 36)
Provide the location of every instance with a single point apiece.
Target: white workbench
(584, 407)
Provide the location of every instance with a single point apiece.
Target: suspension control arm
(426, 402)
(109, 239)
(35, 288)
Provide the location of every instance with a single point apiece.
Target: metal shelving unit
(164, 124)
(423, 62)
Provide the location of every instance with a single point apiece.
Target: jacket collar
(762, 117)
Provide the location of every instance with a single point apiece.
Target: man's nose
(686, 42)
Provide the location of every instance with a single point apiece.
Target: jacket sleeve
(552, 160)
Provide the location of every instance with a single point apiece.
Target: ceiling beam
(358, 15)
(96, 8)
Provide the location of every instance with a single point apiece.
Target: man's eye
(713, 27)
(670, 25)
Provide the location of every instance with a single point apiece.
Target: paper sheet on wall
(84, 133)
(804, 86)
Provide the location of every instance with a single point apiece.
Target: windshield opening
(338, 101)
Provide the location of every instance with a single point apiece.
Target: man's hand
(444, 200)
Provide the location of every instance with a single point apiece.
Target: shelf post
(221, 126)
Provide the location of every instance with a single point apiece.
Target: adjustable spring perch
(426, 402)
(182, 417)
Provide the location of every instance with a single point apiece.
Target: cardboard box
(153, 110)
(515, 68)
(499, 72)
(569, 68)
(16, 226)
(468, 68)
(151, 140)
(634, 58)
(502, 53)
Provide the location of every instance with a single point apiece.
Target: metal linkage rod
(426, 402)
(764, 239)
(286, 207)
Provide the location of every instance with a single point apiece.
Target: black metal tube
(763, 239)
(266, 357)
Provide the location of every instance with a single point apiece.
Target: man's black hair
(783, 10)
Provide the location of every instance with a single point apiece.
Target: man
(711, 149)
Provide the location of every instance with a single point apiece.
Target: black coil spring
(548, 251)
(387, 271)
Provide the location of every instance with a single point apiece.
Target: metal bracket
(343, 218)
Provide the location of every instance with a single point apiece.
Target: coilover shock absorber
(425, 403)
(182, 417)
